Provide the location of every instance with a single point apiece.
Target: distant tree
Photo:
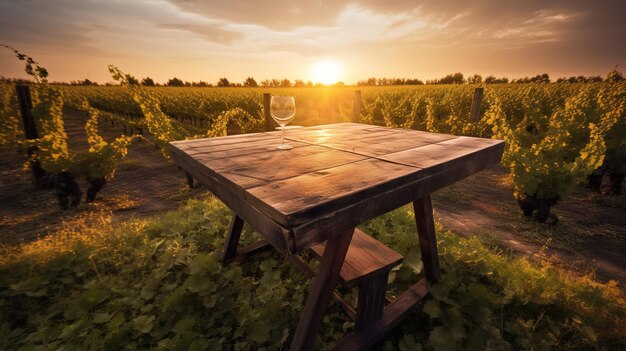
(475, 79)
(544, 78)
(200, 84)
(540, 78)
(614, 75)
(285, 83)
(309, 84)
(414, 82)
(454, 78)
(298, 83)
(250, 82)
(147, 82)
(275, 83)
(132, 80)
(595, 79)
(77, 82)
(223, 82)
(266, 83)
(175, 82)
(340, 84)
(494, 80)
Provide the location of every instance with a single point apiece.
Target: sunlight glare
(326, 72)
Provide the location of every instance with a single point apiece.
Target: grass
(157, 284)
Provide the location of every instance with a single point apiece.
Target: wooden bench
(367, 266)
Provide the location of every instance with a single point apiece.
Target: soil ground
(589, 238)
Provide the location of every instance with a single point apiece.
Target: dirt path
(591, 235)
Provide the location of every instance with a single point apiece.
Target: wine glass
(283, 109)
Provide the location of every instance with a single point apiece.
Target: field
(532, 248)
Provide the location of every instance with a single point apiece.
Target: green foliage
(556, 135)
(553, 143)
(486, 300)
(612, 101)
(158, 284)
(52, 151)
(31, 67)
(102, 158)
(10, 133)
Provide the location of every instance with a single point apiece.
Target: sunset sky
(205, 40)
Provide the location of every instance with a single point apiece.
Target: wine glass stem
(282, 139)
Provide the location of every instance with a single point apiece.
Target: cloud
(210, 32)
(279, 37)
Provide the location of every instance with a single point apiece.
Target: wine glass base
(284, 147)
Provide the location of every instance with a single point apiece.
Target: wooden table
(336, 177)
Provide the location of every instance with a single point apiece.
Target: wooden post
(232, 239)
(476, 101)
(423, 210)
(30, 130)
(357, 106)
(321, 291)
(267, 98)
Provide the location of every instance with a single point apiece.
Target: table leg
(321, 291)
(428, 242)
(232, 238)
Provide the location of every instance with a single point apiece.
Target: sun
(326, 72)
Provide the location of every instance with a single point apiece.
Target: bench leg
(371, 302)
(232, 238)
(189, 180)
(321, 291)
(428, 242)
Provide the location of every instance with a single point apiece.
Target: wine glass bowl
(283, 110)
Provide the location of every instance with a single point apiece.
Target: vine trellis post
(30, 131)
(476, 101)
(357, 106)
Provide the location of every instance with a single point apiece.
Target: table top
(338, 169)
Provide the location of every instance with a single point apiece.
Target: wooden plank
(280, 165)
(216, 141)
(250, 250)
(326, 134)
(392, 315)
(435, 158)
(373, 142)
(260, 144)
(366, 256)
(321, 291)
(317, 229)
(297, 199)
(277, 235)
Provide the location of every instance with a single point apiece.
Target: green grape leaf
(143, 324)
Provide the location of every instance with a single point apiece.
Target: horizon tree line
(453, 78)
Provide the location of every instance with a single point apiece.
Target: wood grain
(366, 256)
(337, 176)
